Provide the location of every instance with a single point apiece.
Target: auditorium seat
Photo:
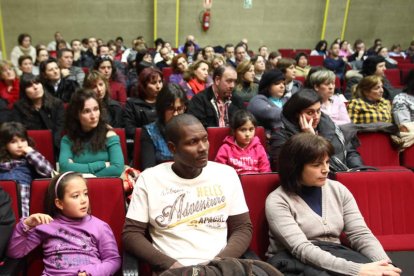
(316, 60)
(407, 157)
(306, 51)
(301, 79)
(166, 73)
(107, 201)
(385, 199)
(376, 149)
(393, 75)
(137, 149)
(216, 136)
(43, 140)
(121, 133)
(287, 53)
(256, 188)
(10, 187)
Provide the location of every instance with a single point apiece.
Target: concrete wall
(276, 23)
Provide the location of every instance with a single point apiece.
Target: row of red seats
(376, 149)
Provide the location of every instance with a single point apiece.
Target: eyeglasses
(179, 109)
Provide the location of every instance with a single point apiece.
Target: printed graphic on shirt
(200, 206)
(246, 163)
(67, 246)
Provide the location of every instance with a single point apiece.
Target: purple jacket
(252, 159)
(69, 246)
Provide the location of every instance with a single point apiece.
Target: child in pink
(243, 151)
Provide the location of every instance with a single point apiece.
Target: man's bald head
(173, 127)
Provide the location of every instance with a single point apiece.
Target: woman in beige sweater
(308, 213)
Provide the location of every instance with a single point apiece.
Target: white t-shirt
(187, 217)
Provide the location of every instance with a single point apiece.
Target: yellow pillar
(3, 41)
(155, 20)
(325, 19)
(177, 22)
(348, 3)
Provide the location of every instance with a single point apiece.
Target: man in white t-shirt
(194, 209)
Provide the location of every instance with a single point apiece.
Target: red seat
(166, 73)
(407, 157)
(256, 188)
(107, 202)
(10, 187)
(393, 75)
(43, 140)
(137, 149)
(216, 136)
(301, 79)
(401, 60)
(316, 60)
(406, 66)
(306, 51)
(287, 53)
(385, 201)
(121, 133)
(376, 149)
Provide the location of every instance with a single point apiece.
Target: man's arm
(240, 234)
(135, 242)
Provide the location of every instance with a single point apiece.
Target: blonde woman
(246, 88)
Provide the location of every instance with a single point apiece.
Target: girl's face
(182, 64)
(249, 75)
(35, 91)
(259, 65)
(290, 73)
(175, 109)
(100, 89)
(312, 112)
(314, 174)
(147, 58)
(16, 147)
(303, 62)
(43, 55)
(375, 94)
(106, 69)
(217, 62)
(276, 90)
(89, 116)
(8, 73)
(153, 88)
(244, 134)
(201, 73)
(75, 202)
(344, 46)
(325, 90)
(27, 66)
(52, 71)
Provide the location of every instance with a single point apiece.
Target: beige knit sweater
(293, 225)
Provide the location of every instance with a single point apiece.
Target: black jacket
(346, 153)
(65, 89)
(7, 221)
(115, 114)
(45, 118)
(138, 113)
(202, 107)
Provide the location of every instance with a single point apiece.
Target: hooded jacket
(252, 159)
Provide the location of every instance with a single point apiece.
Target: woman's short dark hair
(102, 59)
(285, 63)
(96, 137)
(21, 37)
(91, 80)
(299, 150)
(298, 102)
(187, 45)
(42, 67)
(48, 101)
(167, 97)
(240, 117)
(7, 131)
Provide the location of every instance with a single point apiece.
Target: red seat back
(137, 149)
(316, 60)
(393, 75)
(407, 157)
(401, 60)
(287, 53)
(306, 51)
(166, 72)
(384, 199)
(43, 140)
(376, 149)
(107, 202)
(216, 136)
(301, 79)
(256, 188)
(121, 133)
(10, 187)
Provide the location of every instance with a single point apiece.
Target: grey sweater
(293, 225)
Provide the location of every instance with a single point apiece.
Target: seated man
(192, 216)
(215, 105)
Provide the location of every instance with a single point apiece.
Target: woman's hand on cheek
(306, 126)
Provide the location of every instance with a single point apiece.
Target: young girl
(19, 161)
(74, 242)
(243, 151)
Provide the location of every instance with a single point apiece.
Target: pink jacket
(252, 159)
